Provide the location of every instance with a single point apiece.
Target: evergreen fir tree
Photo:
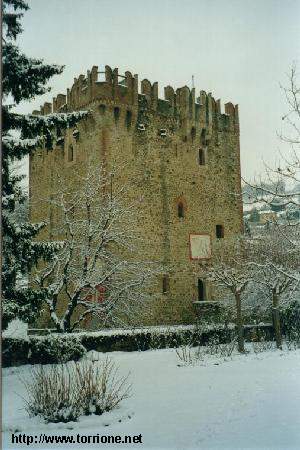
(23, 79)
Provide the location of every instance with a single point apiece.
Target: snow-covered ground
(245, 402)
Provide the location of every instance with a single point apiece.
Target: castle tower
(181, 160)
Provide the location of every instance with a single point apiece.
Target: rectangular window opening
(70, 153)
(102, 109)
(128, 119)
(116, 114)
(202, 157)
(219, 231)
(166, 284)
(180, 210)
(201, 290)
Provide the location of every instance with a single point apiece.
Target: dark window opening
(201, 290)
(116, 113)
(201, 157)
(128, 119)
(203, 138)
(70, 153)
(193, 133)
(180, 210)
(219, 231)
(102, 109)
(166, 284)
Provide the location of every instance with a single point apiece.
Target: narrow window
(201, 290)
(219, 231)
(102, 109)
(201, 157)
(70, 153)
(128, 119)
(116, 114)
(165, 284)
(180, 210)
(193, 133)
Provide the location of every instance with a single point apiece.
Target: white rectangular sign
(200, 247)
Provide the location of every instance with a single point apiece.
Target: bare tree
(277, 246)
(230, 270)
(97, 270)
(276, 264)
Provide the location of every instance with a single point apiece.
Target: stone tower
(181, 159)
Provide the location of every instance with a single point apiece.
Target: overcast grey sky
(240, 50)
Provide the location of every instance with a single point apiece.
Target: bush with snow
(52, 393)
(55, 349)
(15, 351)
(186, 355)
(101, 388)
(262, 346)
(189, 355)
(63, 393)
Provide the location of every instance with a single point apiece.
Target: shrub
(56, 349)
(62, 393)
(51, 394)
(214, 346)
(187, 355)
(100, 386)
(262, 346)
(14, 351)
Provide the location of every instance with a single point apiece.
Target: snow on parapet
(109, 86)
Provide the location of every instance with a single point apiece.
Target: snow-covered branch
(96, 272)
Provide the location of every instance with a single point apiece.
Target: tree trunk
(67, 323)
(72, 305)
(239, 323)
(276, 320)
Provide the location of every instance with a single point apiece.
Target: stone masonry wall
(156, 143)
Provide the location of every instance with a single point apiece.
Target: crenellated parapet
(193, 111)
(95, 85)
(150, 91)
(109, 86)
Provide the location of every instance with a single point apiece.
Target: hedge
(58, 348)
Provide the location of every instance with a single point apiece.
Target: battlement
(110, 87)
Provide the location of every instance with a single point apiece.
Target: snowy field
(244, 402)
